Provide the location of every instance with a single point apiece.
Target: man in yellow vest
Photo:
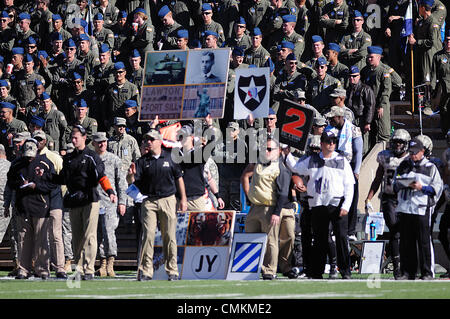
(271, 211)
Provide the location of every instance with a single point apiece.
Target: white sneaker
(352, 238)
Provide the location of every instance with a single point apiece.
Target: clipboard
(405, 181)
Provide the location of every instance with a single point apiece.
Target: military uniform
(318, 91)
(121, 40)
(90, 60)
(136, 128)
(427, 35)
(101, 77)
(440, 78)
(7, 38)
(22, 38)
(361, 42)
(286, 85)
(110, 14)
(257, 56)
(295, 38)
(104, 36)
(115, 97)
(15, 126)
(143, 39)
(381, 83)
(181, 13)
(302, 25)
(136, 77)
(272, 20)
(253, 12)
(214, 27)
(56, 126)
(332, 30)
(90, 125)
(108, 217)
(168, 36)
(245, 42)
(340, 72)
(22, 87)
(69, 108)
(126, 148)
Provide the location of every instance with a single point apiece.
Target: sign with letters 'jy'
(203, 245)
(296, 124)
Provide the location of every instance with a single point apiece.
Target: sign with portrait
(296, 122)
(184, 84)
(203, 245)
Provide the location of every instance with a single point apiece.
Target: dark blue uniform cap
(130, 103)
(375, 50)
(163, 11)
(317, 38)
(334, 47)
(183, 34)
(7, 105)
(256, 31)
(287, 44)
(18, 50)
(289, 18)
(37, 120)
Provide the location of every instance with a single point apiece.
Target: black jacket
(32, 202)
(361, 100)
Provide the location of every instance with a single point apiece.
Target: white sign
(372, 257)
(247, 255)
(251, 93)
(205, 262)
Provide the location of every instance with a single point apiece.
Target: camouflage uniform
(108, 217)
(126, 148)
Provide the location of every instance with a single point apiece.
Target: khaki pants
(258, 221)
(84, 221)
(56, 240)
(196, 204)
(33, 244)
(164, 211)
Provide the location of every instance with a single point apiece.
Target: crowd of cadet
(71, 73)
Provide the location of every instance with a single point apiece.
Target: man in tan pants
(271, 208)
(82, 171)
(158, 178)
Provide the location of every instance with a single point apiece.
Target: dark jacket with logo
(361, 100)
(32, 202)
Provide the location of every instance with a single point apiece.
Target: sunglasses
(354, 75)
(270, 149)
(241, 26)
(70, 49)
(293, 63)
(321, 67)
(206, 13)
(119, 72)
(329, 142)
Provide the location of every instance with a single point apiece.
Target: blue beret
(56, 36)
(317, 38)
(69, 43)
(7, 105)
(256, 31)
(24, 16)
(103, 48)
(334, 47)
(289, 18)
(44, 96)
(291, 57)
(209, 32)
(206, 7)
(56, 17)
(31, 40)
(269, 63)
(119, 65)
(183, 34)
(321, 61)
(375, 50)
(84, 37)
(122, 14)
(241, 20)
(3, 83)
(37, 120)
(354, 69)
(76, 76)
(5, 14)
(287, 44)
(427, 2)
(238, 51)
(43, 53)
(130, 103)
(271, 111)
(163, 11)
(141, 10)
(18, 50)
(28, 58)
(37, 82)
(81, 103)
(357, 14)
(98, 16)
(135, 54)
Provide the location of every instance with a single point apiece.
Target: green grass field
(125, 286)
